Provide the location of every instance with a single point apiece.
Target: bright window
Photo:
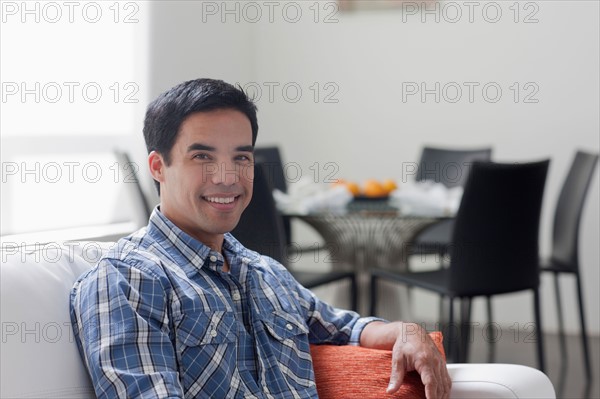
(73, 89)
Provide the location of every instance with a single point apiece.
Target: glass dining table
(368, 233)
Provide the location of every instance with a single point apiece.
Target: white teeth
(221, 200)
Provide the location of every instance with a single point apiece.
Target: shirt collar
(184, 248)
(189, 253)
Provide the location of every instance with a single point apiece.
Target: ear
(156, 165)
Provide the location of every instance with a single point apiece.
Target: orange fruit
(353, 188)
(373, 188)
(338, 182)
(389, 185)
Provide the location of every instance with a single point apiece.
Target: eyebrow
(245, 148)
(200, 147)
(203, 147)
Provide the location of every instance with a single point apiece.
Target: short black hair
(167, 112)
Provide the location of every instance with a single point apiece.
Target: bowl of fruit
(370, 189)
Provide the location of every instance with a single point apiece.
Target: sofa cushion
(357, 372)
(39, 354)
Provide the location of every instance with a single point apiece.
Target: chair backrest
(132, 181)
(567, 215)
(261, 227)
(270, 157)
(449, 166)
(495, 240)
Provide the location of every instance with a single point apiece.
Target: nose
(225, 173)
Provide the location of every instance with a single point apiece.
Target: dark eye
(201, 156)
(244, 158)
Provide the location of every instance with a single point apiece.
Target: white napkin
(427, 198)
(305, 196)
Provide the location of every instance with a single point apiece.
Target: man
(182, 309)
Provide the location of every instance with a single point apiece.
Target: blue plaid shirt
(158, 318)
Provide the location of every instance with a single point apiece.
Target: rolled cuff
(359, 327)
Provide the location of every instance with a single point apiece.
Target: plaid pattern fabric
(157, 317)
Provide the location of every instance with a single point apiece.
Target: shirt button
(213, 333)
(289, 326)
(213, 258)
(236, 296)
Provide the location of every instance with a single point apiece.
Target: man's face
(209, 181)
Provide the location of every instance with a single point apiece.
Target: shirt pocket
(286, 356)
(206, 351)
(207, 328)
(283, 326)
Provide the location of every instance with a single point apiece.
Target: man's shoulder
(132, 252)
(257, 260)
(135, 252)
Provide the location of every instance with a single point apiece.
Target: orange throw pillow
(354, 372)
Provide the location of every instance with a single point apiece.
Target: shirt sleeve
(359, 327)
(120, 322)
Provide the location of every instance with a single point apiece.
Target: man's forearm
(382, 335)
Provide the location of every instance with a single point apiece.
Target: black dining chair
(261, 229)
(271, 157)
(451, 168)
(564, 258)
(494, 247)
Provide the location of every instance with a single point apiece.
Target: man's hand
(412, 350)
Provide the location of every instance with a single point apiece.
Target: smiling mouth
(220, 200)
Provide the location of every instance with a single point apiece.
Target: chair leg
(540, 333)
(451, 344)
(440, 253)
(441, 311)
(353, 293)
(561, 322)
(372, 295)
(465, 329)
(491, 340)
(584, 338)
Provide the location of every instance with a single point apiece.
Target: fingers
(435, 390)
(437, 381)
(397, 376)
(424, 357)
(414, 350)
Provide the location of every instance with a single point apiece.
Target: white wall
(364, 61)
(372, 130)
(185, 45)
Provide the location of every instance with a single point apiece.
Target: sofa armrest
(490, 381)
(39, 354)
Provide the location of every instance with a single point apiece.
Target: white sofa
(39, 358)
